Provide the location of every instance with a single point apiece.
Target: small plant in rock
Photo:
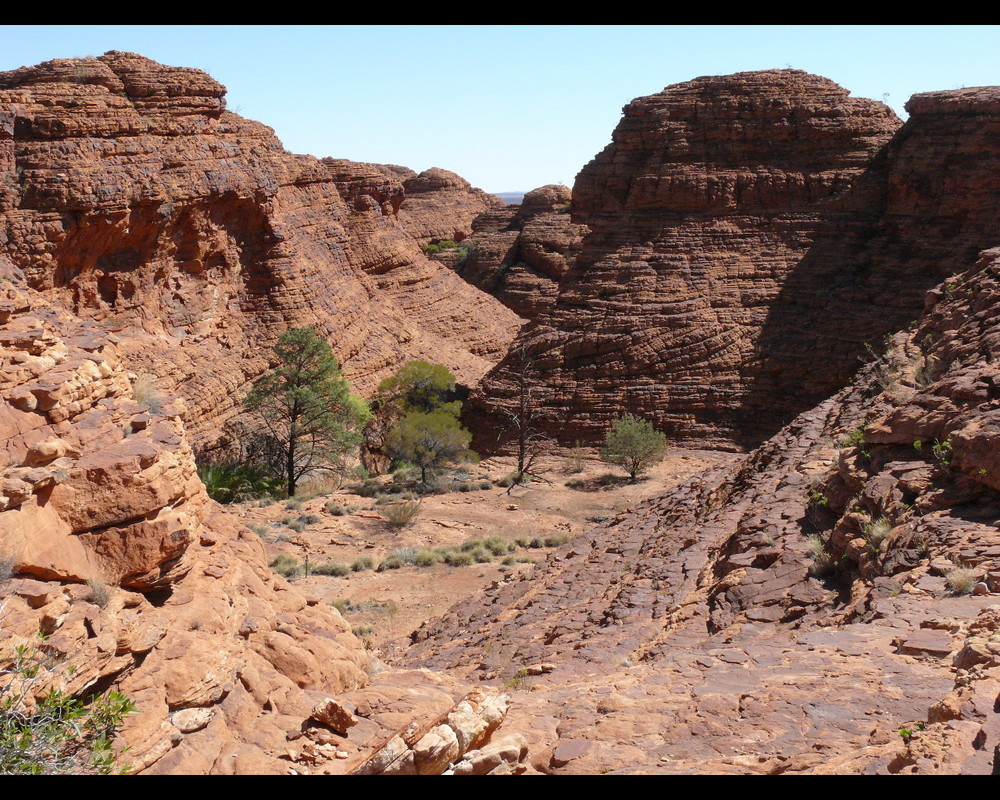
(100, 593)
(816, 497)
(876, 532)
(43, 730)
(362, 564)
(823, 563)
(961, 579)
(144, 392)
(943, 452)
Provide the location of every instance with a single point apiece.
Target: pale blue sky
(507, 107)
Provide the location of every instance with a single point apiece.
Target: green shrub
(334, 509)
(457, 558)
(942, 452)
(361, 564)
(368, 488)
(286, 566)
(634, 445)
(231, 482)
(331, 568)
(56, 733)
(498, 546)
(392, 562)
(427, 557)
(557, 540)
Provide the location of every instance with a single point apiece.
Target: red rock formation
(440, 205)
(790, 612)
(739, 226)
(519, 253)
(136, 199)
(111, 548)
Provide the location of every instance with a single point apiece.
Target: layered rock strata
(791, 612)
(111, 550)
(440, 205)
(520, 253)
(132, 196)
(750, 235)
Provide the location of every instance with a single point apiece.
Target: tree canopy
(307, 407)
(634, 445)
(429, 441)
(420, 386)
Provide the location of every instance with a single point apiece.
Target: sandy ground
(385, 606)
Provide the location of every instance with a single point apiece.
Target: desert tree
(523, 421)
(307, 408)
(419, 386)
(634, 445)
(429, 440)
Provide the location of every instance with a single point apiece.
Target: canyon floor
(384, 607)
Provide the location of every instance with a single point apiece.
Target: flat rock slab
(926, 642)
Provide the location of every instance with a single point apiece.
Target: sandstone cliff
(131, 196)
(749, 235)
(440, 205)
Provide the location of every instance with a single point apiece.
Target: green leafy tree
(307, 407)
(430, 441)
(420, 386)
(634, 445)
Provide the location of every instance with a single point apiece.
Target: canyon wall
(750, 236)
(133, 197)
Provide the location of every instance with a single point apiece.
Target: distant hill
(510, 198)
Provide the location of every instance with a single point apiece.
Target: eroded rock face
(440, 205)
(792, 611)
(133, 197)
(750, 234)
(110, 547)
(519, 253)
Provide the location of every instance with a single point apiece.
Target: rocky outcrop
(739, 225)
(132, 196)
(112, 551)
(519, 253)
(440, 205)
(792, 612)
